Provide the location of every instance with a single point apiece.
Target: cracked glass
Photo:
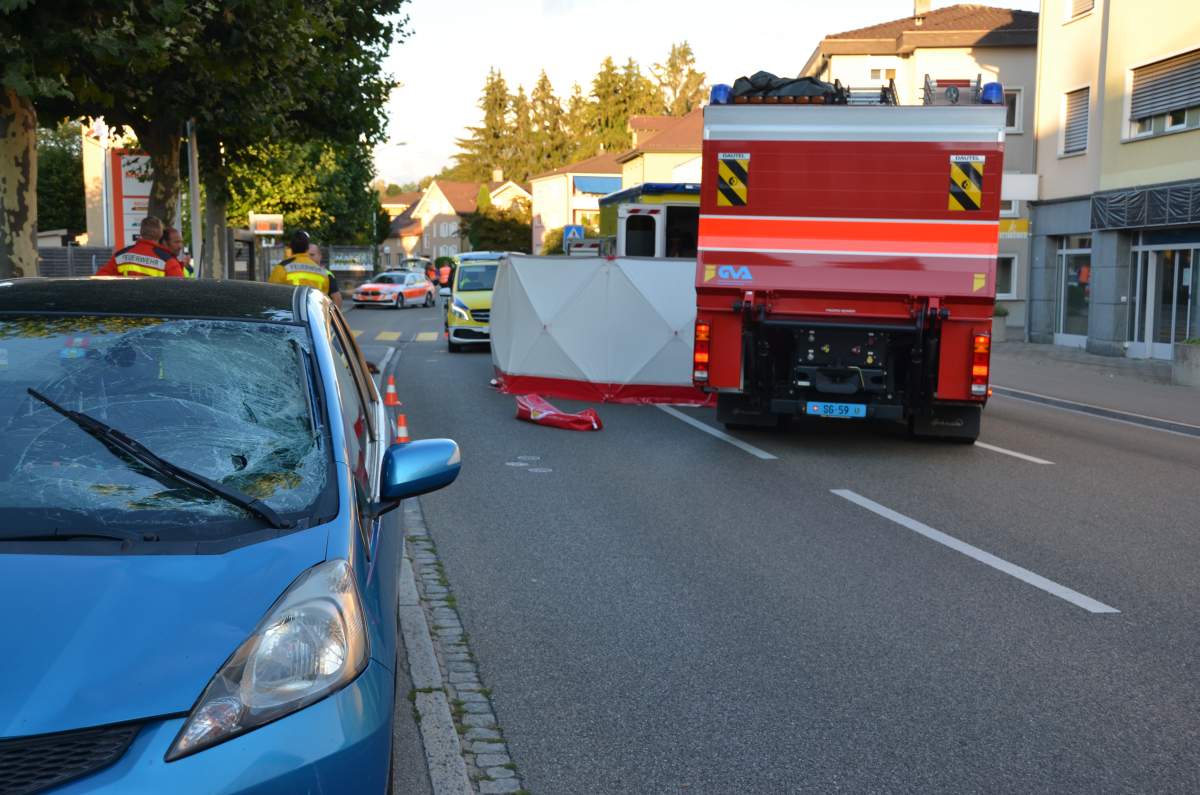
(231, 400)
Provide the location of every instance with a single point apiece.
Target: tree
(607, 118)
(487, 145)
(640, 95)
(682, 87)
(483, 198)
(581, 142)
(496, 229)
(316, 186)
(60, 199)
(520, 158)
(552, 147)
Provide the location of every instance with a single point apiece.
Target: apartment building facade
(1116, 228)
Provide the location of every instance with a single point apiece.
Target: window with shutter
(1166, 85)
(1079, 7)
(1075, 122)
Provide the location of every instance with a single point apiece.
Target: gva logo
(734, 273)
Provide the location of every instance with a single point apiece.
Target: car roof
(157, 297)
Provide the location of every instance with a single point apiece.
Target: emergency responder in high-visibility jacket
(146, 257)
(301, 270)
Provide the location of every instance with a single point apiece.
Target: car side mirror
(415, 468)
(444, 292)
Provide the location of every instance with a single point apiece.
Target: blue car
(198, 567)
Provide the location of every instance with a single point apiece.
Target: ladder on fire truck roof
(866, 95)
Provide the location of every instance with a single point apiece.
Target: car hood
(90, 639)
(476, 299)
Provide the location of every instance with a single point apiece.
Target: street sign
(266, 224)
(572, 232)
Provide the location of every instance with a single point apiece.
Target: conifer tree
(682, 87)
(552, 147)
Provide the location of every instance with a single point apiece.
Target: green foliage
(483, 199)
(321, 187)
(60, 199)
(526, 135)
(682, 87)
(495, 229)
(999, 310)
(393, 189)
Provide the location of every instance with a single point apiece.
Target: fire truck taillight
(980, 365)
(700, 353)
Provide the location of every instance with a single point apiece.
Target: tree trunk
(215, 233)
(18, 186)
(162, 144)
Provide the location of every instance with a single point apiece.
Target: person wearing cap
(301, 270)
(146, 257)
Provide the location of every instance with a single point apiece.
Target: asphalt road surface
(830, 608)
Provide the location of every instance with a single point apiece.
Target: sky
(443, 64)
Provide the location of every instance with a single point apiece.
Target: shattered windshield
(231, 400)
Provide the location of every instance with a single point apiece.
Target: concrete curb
(443, 752)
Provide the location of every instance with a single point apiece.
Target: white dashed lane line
(711, 431)
(988, 559)
(1031, 459)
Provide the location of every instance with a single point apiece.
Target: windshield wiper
(84, 535)
(129, 447)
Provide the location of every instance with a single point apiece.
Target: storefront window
(1075, 265)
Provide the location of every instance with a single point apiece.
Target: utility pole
(194, 192)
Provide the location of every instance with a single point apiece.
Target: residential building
(396, 203)
(659, 151)
(404, 237)
(442, 207)
(570, 194)
(954, 45)
(1116, 228)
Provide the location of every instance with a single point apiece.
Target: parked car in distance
(396, 289)
(196, 551)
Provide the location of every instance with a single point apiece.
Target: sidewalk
(1140, 386)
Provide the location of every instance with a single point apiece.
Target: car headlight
(459, 309)
(310, 643)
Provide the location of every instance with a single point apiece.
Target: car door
(381, 538)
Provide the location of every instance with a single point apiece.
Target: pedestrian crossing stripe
(427, 336)
(388, 336)
(966, 182)
(733, 179)
(357, 332)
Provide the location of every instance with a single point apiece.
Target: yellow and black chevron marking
(966, 182)
(733, 180)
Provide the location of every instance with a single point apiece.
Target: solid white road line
(1013, 453)
(695, 423)
(1025, 575)
(387, 357)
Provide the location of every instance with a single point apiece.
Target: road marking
(387, 336)
(1025, 575)
(1112, 415)
(387, 357)
(357, 332)
(1013, 453)
(695, 423)
(427, 336)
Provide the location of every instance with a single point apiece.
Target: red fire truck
(847, 258)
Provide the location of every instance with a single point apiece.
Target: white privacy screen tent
(615, 329)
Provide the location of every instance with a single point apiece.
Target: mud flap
(956, 423)
(739, 411)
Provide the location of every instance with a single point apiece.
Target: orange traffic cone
(401, 430)
(390, 398)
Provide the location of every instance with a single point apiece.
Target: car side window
(355, 419)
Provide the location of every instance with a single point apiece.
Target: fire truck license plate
(848, 410)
